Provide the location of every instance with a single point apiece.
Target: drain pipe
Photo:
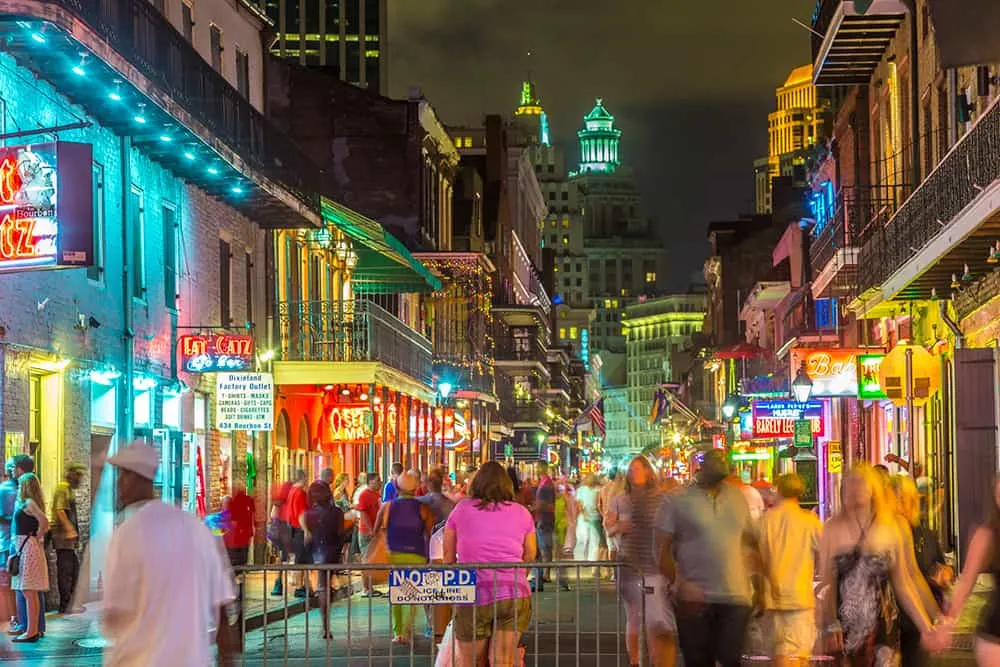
(951, 324)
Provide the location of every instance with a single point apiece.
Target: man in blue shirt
(8, 500)
(389, 491)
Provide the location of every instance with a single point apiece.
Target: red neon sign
(10, 180)
(17, 238)
(208, 354)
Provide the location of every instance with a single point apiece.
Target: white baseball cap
(140, 458)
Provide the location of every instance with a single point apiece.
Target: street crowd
(700, 566)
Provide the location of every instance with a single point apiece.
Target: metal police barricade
(578, 619)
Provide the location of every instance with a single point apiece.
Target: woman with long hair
(983, 557)
(491, 527)
(863, 564)
(29, 526)
(632, 518)
(323, 535)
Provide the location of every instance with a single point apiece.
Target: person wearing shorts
(491, 527)
(789, 544)
(632, 519)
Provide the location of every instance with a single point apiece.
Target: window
(650, 276)
(579, 282)
(95, 271)
(243, 73)
(225, 283)
(565, 223)
(566, 267)
(565, 196)
(170, 229)
(137, 215)
(187, 21)
(565, 239)
(215, 33)
(248, 279)
(562, 332)
(579, 267)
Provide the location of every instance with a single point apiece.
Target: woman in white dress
(29, 527)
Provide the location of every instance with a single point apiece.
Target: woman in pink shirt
(490, 527)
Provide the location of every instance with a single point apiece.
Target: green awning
(384, 263)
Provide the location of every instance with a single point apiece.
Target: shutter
(976, 438)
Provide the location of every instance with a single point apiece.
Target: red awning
(741, 351)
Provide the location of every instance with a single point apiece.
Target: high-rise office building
(792, 128)
(349, 37)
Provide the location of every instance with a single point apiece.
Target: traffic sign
(425, 586)
(803, 433)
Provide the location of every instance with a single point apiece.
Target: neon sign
(869, 386)
(209, 354)
(46, 206)
(834, 372)
(776, 419)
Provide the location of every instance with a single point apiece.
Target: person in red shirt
(293, 509)
(367, 507)
(240, 527)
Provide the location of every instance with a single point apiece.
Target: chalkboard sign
(806, 469)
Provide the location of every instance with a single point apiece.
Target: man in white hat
(167, 583)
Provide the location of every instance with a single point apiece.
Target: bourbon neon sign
(46, 206)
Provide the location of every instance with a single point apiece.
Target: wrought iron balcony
(853, 215)
(355, 330)
(145, 63)
(521, 348)
(930, 214)
(523, 412)
(466, 379)
(849, 39)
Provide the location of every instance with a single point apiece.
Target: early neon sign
(209, 354)
(46, 206)
(776, 419)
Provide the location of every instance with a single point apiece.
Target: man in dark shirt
(66, 536)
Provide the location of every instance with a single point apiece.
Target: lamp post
(443, 390)
(802, 385)
(729, 409)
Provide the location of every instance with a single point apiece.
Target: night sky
(690, 84)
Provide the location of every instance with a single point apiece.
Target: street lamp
(730, 406)
(444, 388)
(802, 385)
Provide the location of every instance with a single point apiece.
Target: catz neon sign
(46, 206)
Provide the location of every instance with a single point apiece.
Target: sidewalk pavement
(588, 624)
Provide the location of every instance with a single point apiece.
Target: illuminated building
(345, 37)
(624, 259)
(793, 127)
(530, 116)
(656, 331)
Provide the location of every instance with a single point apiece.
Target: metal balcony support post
(384, 421)
(372, 464)
(911, 6)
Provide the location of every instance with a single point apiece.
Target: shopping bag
(436, 546)
(377, 553)
(446, 649)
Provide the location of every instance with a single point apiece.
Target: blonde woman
(864, 565)
(29, 526)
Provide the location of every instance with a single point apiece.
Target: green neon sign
(869, 386)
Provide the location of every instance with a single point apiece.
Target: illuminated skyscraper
(530, 116)
(792, 129)
(346, 36)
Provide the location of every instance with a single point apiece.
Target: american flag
(596, 415)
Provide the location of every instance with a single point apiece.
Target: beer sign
(776, 419)
(216, 353)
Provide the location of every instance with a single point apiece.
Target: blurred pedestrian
(22, 465)
(708, 542)
(279, 531)
(544, 511)
(589, 525)
(167, 582)
(367, 507)
(239, 528)
(323, 534)
(28, 551)
(863, 564)
(66, 536)
(564, 537)
(440, 505)
(491, 527)
(789, 546)
(645, 592)
(389, 491)
(8, 503)
(407, 523)
(983, 558)
(341, 496)
(614, 488)
(294, 508)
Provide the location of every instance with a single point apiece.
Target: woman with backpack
(408, 524)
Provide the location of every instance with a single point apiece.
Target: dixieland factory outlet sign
(244, 402)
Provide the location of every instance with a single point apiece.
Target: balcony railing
(848, 44)
(971, 166)
(523, 412)
(466, 379)
(356, 330)
(857, 211)
(140, 33)
(520, 348)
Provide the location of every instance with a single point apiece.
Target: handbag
(14, 561)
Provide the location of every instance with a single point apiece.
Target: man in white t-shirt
(167, 584)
